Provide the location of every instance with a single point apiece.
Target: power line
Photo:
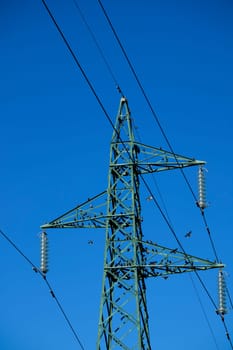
(133, 70)
(190, 276)
(182, 248)
(141, 87)
(101, 52)
(36, 269)
(161, 198)
(171, 148)
(204, 313)
(229, 297)
(77, 62)
(64, 313)
(209, 234)
(110, 121)
(105, 112)
(83, 72)
(227, 332)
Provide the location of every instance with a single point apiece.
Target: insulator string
(222, 310)
(201, 188)
(44, 253)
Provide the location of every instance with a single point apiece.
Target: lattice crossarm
(152, 159)
(157, 270)
(161, 270)
(163, 261)
(90, 214)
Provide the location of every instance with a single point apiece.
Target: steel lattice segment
(159, 261)
(128, 260)
(151, 159)
(123, 312)
(90, 214)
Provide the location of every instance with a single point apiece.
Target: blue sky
(55, 151)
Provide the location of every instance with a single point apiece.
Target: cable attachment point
(201, 188)
(44, 253)
(222, 310)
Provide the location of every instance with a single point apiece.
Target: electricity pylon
(129, 260)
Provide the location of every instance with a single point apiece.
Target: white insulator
(222, 310)
(201, 188)
(44, 253)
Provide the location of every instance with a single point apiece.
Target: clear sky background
(55, 151)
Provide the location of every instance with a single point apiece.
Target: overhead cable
(36, 269)
(182, 248)
(77, 62)
(204, 312)
(153, 112)
(81, 14)
(110, 121)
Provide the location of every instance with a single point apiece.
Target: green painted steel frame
(128, 260)
(123, 318)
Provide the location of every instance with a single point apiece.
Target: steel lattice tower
(129, 260)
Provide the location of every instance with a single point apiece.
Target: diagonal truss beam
(151, 159)
(159, 261)
(90, 214)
